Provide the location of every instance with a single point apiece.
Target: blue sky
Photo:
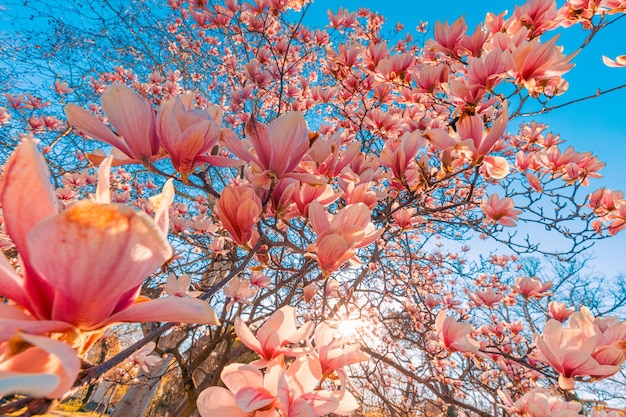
(594, 125)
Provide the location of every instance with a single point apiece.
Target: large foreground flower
(85, 265)
(37, 366)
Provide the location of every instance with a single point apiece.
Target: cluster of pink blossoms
(300, 379)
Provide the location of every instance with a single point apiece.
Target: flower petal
(88, 124)
(26, 194)
(167, 309)
(218, 402)
(133, 118)
(102, 253)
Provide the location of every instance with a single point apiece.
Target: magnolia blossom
(455, 336)
(333, 352)
(619, 61)
(531, 287)
(144, 359)
(239, 209)
(188, 134)
(239, 291)
(541, 403)
(132, 117)
(339, 237)
(280, 392)
(559, 311)
(274, 149)
(275, 335)
(85, 265)
(569, 351)
(501, 211)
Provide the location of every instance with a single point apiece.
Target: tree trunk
(138, 396)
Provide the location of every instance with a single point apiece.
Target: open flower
(455, 336)
(132, 117)
(83, 266)
(338, 238)
(188, 134)
(501, 211)
(275, 335)
(275, 149)
(144, 359)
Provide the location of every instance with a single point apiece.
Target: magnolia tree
(295, 206)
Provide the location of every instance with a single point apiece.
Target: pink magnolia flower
(247, 392)
(568, 351)
(144, 359)
(130, 114)
(455, 336)
(188, 134)
(541, 403)
(179, 287)
(276, 148)
(535, 62)
(239, 291)
(275, 335)
(37, 366)
(85, 265)
(325, 157)
(471, 134)
(239, 209)
(502, 211)
(398, 154)
(531, 287)
(338, 238)
(260, 280)
(333, 352)
(619, 61)
(559, 311)
(489, 297)
(280, 392)
(610, 332)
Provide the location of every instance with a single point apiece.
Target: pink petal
(321, 402)
(26, 194)
(252, 398)
(246, 336)
(167, 309)
(13, 319)
(103, 192)
(235, 145)
(258, 134)
(102, 252)
(133, 118)
(495, 132)
(218, 402)
(440, 138)
(46, 357)
(89, 125)
(237, 376)
(301, 408)
(290, 141)
(220, 161)
(161, 204)
(11, 284)
(318, 217)
(471, 127)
